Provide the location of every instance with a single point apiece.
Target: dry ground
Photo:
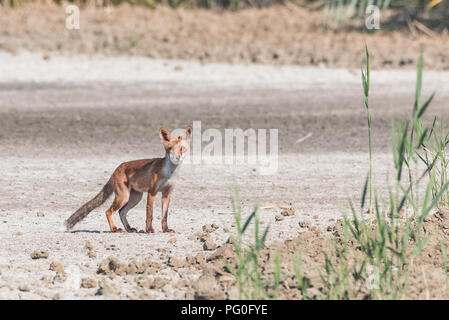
(67, 122)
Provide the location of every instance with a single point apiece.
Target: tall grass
(371, 259)
(394, 242)
(248, 272)
(434, 156)
(366, 85)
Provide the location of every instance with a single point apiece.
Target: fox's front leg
(165, 204)
(149, 221)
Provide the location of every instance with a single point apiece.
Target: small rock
(88, 283)
(204, 237)
(304, 224)
(152, 264)
(135, 267)
(57, 267)
(112, 266)
(172, 240)
(200, 258)
(24, 287)
(144, 282)
(315, 230)
(106, 289)
(206, 288)
(158, 283)
(92, 254)
(210, 228)
(40, 214)
(39, 254)
(288, 212)
(225, 251)
(88, 246)
(209, 245)
(176, 263)
(279, 217)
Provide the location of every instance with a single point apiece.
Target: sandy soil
(283, 35)
(67, 122)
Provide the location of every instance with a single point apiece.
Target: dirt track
(61, 138)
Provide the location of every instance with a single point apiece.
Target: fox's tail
(82, 212)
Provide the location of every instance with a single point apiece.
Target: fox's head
(176, 147)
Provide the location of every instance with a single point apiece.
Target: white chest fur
(170, 175)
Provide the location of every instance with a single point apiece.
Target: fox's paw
(149, 230)
(116, 230)
(131, 230)
(168, 230)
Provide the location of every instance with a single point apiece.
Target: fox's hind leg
(134, 199)
(121, 197)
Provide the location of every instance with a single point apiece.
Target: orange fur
(131, 179)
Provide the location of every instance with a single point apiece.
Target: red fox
(131, 179)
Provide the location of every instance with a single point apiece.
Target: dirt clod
(279, 217)
(112, 266)
(209, 245)
(88, 246)
(88, 283)
(24, 287)
(288, 212)
(304, 224)
(207, 288)
(57, 267)
(176, 263)
(39, 254)
(225, 251)
(210, 227)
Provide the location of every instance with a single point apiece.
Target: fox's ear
(188, 133)
(165, 135)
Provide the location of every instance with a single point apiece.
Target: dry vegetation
(279, 35)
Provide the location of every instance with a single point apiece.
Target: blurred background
(327, 33)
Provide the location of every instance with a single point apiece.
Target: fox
(131, 179)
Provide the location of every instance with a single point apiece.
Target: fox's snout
(177, 158)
